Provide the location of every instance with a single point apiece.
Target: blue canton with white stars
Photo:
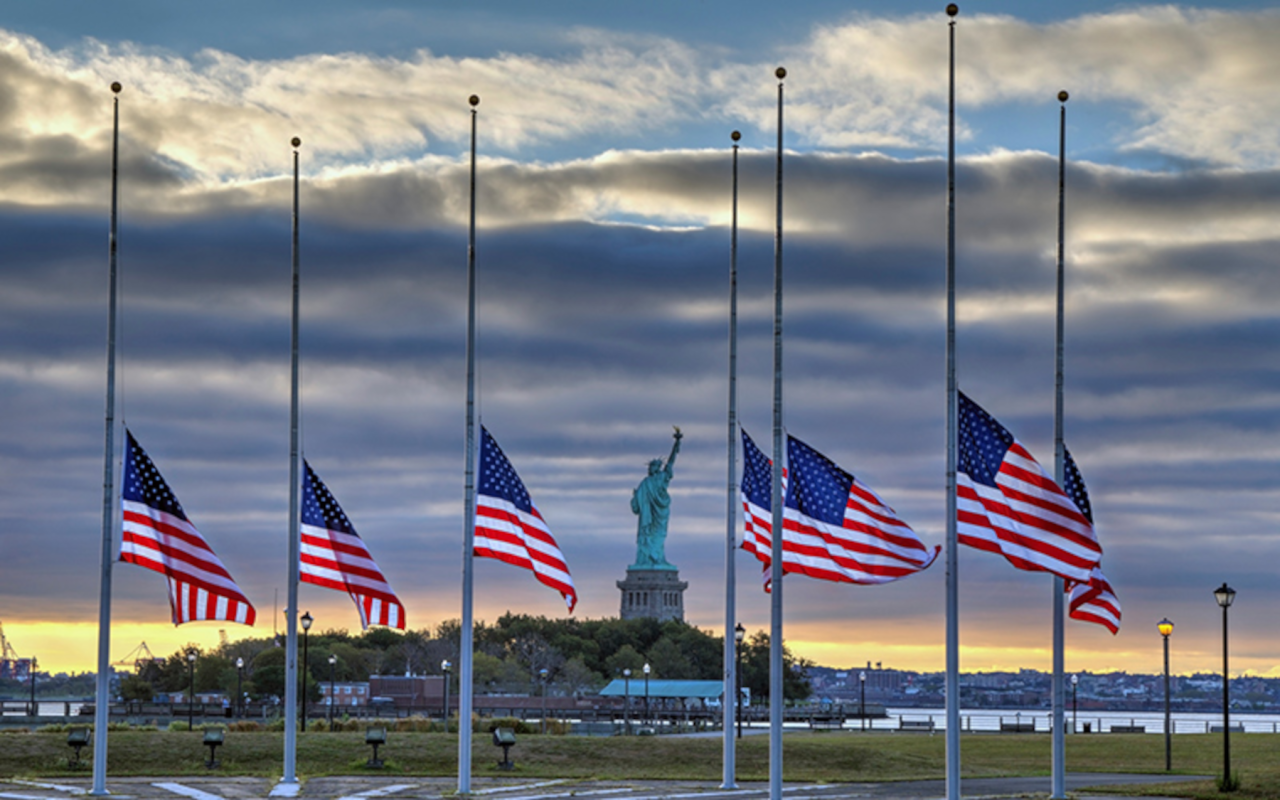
(143, 482)
(757, 475)
(818, 488)
(319, 507)
(982, 442)
(497, 478)
(1075, 485)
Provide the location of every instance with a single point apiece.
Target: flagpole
(731, 538)
(776, 699)
(295, 534)
(1059, 475)
(953, 576)
(469, 494)
(103, 695)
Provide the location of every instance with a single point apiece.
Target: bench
(1218, 729)
(506, 739)
(915, 725)
(77, 738)
(826, 723)
(1128, 728)
(1018, 727)
(375, 737)
(213, 739)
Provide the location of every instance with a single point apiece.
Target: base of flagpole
(653, 593)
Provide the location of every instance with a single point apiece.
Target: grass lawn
(837, 756)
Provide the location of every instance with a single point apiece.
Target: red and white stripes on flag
(1006, 503)
(1095, 602)
(334, 556)
(158, 536)
(835, 527)
(509, 527)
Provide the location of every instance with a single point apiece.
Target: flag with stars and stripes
(509, 527)
(1094, 601)
(756, 490)
(158, 536)
(1006, 503)
(757, 500)
(835, 528)
(333, 555)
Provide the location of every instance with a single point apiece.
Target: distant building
(345, 694)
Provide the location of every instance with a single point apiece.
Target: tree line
(580, 656)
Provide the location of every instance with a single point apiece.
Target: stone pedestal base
(656, 593)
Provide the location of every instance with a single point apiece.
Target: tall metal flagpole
(295, 531)
(953, 575)
(1059, 474)
(775, 605)
(469, 492)
(731, 537)
(103, 697)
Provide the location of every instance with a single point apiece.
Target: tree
(136, 688)
(625, 657)
(668, 662)
(755, 671)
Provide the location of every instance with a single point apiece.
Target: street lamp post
(542, 675)
(1225, 595)
(739, 633)
(333, 696)
(239, 688)
(306, 620)
(191, 690)
(444, 668)
(31, 677)
(862, 699)
(647, 718)
(1075, 681)
(1166, 627)
(626, 708)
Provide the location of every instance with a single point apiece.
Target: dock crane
(11, 665)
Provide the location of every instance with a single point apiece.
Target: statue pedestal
(656, 593)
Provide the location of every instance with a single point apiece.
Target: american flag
(509, 527)
(334, 556)
(1007, 503)
(837, 529)
(1094, 601)
(158, 536)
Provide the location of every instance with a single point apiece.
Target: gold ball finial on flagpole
(116, 87)
(1063, 96)
(781, 72)
(735, 136)
(295, 141)
(474, 100)
(952, 9)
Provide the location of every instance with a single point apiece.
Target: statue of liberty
(651, 503)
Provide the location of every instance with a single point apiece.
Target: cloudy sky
(603, 255)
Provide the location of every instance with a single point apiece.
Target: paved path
(378, 787)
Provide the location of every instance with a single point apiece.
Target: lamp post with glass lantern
(239, 687)
(1166, 627)
(444, 668)
(739, 633)
(191, 690)
(1225, 595)
(626, 692)
(333, 695)
(647, 719)
(306, 620)
(862, 699)
(542, 676)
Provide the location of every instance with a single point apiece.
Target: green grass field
(840, 756)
